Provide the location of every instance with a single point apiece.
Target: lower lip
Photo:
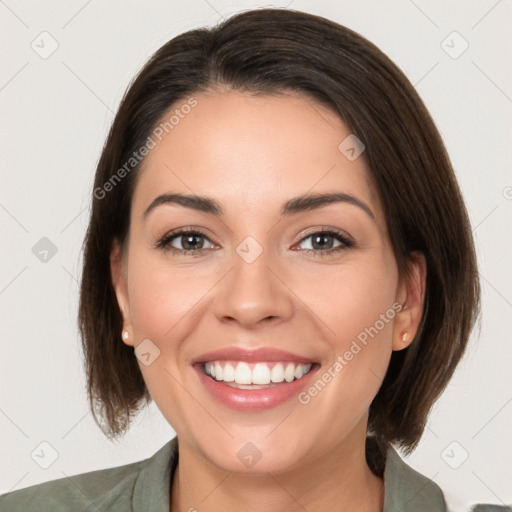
(254, 399)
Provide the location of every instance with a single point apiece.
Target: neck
(338, 480)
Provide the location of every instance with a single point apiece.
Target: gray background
(56, 110)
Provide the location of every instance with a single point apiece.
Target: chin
(259, 456)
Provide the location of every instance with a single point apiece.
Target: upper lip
(264, 354)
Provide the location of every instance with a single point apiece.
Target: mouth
(253, 379)
(255, 375)
(254, 386)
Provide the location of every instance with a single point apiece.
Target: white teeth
(228, 375)
(243, 374)
(277, 373)
(260, 374)
(218, 371)
(289, 373)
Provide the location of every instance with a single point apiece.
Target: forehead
(252, 152)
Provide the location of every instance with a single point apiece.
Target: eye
(190, 242)
(322, 243)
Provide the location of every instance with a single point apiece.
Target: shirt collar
(152, 487)
(405, 490)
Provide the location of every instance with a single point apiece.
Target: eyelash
(163, 243)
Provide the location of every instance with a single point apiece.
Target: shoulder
(406, 490)
(487, 507)
(106, 489)
(94, 489)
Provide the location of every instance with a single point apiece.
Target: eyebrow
(293, 206)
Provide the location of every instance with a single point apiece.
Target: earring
(126, 335)
(405, 335)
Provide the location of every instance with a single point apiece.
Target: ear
(411, 295)
(120, 284)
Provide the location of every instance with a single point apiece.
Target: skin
(252, 154)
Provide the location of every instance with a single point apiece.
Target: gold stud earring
(126, 335)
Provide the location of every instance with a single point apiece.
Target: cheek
(354, 297)
(358, 305)
(163, 297)
(165, 302)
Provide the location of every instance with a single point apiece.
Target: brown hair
(267, 51)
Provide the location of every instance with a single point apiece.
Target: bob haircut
(278, 51)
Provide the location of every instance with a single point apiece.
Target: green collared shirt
(144, 487)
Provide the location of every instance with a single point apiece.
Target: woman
(279, 255)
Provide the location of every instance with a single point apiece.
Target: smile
(283, 382)
(245, 375)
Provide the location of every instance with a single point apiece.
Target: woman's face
(252, 277)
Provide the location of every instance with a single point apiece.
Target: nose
(253, 293)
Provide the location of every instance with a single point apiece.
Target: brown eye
(324, 243)
(183, 242)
